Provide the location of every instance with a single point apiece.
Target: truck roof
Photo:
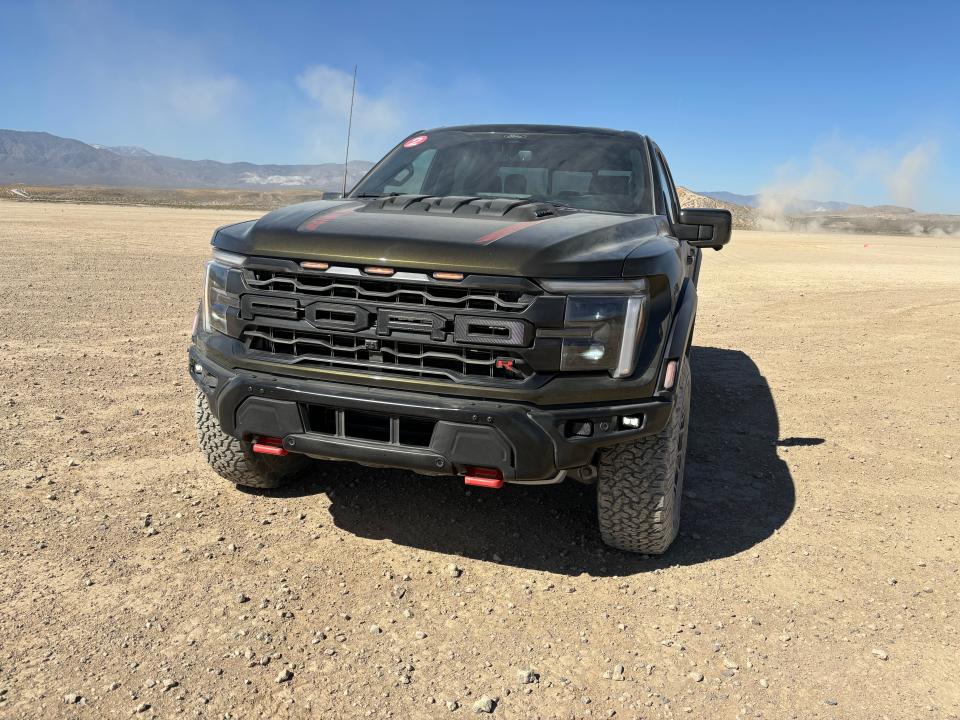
(527, 128)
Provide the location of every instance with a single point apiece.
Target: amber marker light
(670, 376)
(377, 270)
(447, 276)
(311, 265)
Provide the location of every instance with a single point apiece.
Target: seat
(515, 184)
(489, 184)
(610, 185)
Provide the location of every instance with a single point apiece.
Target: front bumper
(525, 442)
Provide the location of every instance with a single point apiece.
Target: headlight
(605, 327)
(216, 299)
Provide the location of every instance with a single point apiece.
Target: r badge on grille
(508, 364)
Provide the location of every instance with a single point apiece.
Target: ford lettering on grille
(389, 320)
(332, 316)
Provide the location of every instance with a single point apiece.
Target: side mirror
(331, 196)
(704, 227)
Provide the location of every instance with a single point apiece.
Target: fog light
(631, 422)
(198, 368)
(670, 376)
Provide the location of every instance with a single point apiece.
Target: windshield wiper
(376, 195)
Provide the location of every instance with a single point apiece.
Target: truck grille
(384, 356)
(480, 330)
(388, 292)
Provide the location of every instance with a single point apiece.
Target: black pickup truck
(506, 303)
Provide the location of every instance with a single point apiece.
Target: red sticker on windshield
(414, 141)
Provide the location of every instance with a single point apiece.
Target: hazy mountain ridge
(40, 158)
(129, 150)
(787, 213)
(877, 220)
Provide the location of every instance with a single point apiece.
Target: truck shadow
(737, 493)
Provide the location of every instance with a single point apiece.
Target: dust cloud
(838, 170)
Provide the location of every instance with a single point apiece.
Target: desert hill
(39, 158)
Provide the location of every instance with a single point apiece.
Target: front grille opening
(479, 362)
(408, 353)
(322, 419)
(390, 292)
(366, 426)
(321, 348)
(412, 431)
(416, 431)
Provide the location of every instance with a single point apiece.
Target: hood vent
(463, 206)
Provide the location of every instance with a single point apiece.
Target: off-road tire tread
(234, 461)
(637, 507)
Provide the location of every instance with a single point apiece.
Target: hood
(556, 244)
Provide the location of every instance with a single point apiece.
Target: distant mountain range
(128, 150)
(40, 158)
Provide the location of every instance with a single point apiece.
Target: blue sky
(832, 100)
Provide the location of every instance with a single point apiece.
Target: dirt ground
(816, 575)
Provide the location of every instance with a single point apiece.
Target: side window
(410, 178)
(666, 196)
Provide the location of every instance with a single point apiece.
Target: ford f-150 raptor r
(508, 303)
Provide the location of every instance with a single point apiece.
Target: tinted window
(582, 170)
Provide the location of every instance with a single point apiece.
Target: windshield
(585, 171)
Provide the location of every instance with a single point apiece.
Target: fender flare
(681, 334)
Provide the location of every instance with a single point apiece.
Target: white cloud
(136, 83)
(378, 120)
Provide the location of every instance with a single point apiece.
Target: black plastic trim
(524, 441)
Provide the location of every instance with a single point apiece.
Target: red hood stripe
(504, 231)
(318, 220)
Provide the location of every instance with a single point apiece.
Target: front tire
(640, 484)
(235, 460)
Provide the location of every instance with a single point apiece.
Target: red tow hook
(483, 477)
(269, 446)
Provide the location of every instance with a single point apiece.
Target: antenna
(346, 155)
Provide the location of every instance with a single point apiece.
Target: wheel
(639, 484)
(235, 460)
